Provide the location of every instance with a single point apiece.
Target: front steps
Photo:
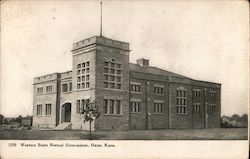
(63, 126)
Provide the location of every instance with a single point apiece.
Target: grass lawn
(166, 134)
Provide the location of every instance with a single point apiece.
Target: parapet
(65, 75)
(101, 40)
(45, 78)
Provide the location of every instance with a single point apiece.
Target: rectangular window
(106, 77)
(112, 64)
(78, 106)
(111, 79)
(196, 93)
(212, 95)
(78, 72)
(135, 106)
(105, 106)
(106, 70)
(65, 87)
(106, 85)
(135, 87)
(70, 86)
(78, 79)
(119, 72)
(40, 90)
(48, 89)
(181, 101)
(158, 107)
(118, 79)
(197, 108)
(112, 71)
(118, 86)
(212, 109)
(112, 85)
(118, 106)
(78, 66)
(48, 109)
(119, 65)
(112, 107)
(106, 63)
(82, 77)
(87, 85)
(158, 90)
(39, 109)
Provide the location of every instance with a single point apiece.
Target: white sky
(204, 40)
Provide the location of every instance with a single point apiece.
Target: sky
(204, 40)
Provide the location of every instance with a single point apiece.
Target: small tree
(89, 112)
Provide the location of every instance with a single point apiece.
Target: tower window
(111, 79)
(83, 75)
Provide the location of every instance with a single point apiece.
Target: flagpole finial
(101, 20)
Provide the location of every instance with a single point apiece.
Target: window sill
(181, 114)
(158, 113)
(159, 94)
(112, 89)
(117, 115)
(135, 112)
(136, 92)
(67, 92)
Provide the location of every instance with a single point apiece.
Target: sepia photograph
(109, 76)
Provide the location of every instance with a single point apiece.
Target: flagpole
(101, 21)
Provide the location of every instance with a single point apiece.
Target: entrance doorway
(66, 112)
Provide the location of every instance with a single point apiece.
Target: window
(212, 95)
(40, 90)
(112, 71)
(118, 79)
(105, 109)
(106, 63)
(118, 86)
(64, 87)
(112, 64)
(158, 89)
(212, 109)
(112, 107)
(78, 106)
(48, 89)
(39, 109)
(197, 93)
(70, 86)
(135, 106)
(48, 109)
(135, 87)
(112, 80)
(106, 85)
(197, 108)
(83, 75)
(158, 106)
(118, 107)
(181, 101)
(112, 85)
(119, 72)
(87, 85)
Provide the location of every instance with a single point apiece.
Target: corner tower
(101, 71)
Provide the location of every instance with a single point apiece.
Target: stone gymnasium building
(130, 96)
